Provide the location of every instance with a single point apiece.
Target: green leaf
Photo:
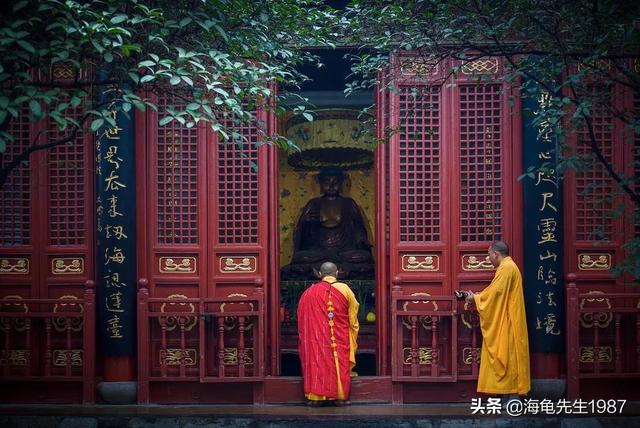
(35, 108)
(108, 57)
(126, 107)
(221, 92)
(308, 116)
(75, 101)
(134, 77)
(4, 102)
(20, 5)
(165, 120)
(147, 78)
(26, 46)
(118, 19)
(187, 80)
(96, 124)
(174, 80)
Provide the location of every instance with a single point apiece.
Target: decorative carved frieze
(425, 356)
(67, 265)
(15, 357)
(14, 265)
(594, 261)
(470, 355)
(476, 262)
(170, 322)
(231, 357)
(176, 357)
(420, 262)
(177, 265)
(601, 315)
(587, 354)
(61, 356)
(481, 66)
(238, 264)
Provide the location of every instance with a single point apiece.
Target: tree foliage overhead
(215, 58)
(584, 54)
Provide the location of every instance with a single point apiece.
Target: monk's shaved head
(328, 269)
(500, 247)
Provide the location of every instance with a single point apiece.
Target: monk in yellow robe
(504, 360)
(327, 335)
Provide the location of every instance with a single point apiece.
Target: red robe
(321, 370)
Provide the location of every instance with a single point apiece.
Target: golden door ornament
(601, 316)
(61, 356)
(170, 321)
(238, 264)
(470, 355)
(587, 354)
(232, 322)
(420, 262)
(173, 356)
(60, 322)
(476, 262)
(470, 319)
(14, 266)
(169, 265)
(594, 261)
(11, 303)
(424, 321)
(481, 66)
(67, 265)
(425, 356)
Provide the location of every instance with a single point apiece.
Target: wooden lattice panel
(480, 163)
(15, 200)
(237, 191)
(177, 182)
(636, 155)
(594, 187)
(419, 165)
(68, 187)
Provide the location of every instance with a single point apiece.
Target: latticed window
(420, 164)
(15, 197)
(67, 188)
(636, 157)
(594, 186)
(480, 163)
(237, 192)
(177, 182)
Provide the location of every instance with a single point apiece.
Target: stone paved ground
(23, 421)
(279, 416)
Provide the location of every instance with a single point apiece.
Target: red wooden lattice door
(203, 250)
(46, 257)
(453, 163)
(603, 311)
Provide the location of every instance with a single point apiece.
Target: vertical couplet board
(454, 161)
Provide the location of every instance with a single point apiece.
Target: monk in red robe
(328, 331)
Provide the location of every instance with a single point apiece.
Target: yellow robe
(504, 360)
(354, 327)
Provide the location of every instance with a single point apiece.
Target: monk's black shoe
(314, 403)
(342, 403)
